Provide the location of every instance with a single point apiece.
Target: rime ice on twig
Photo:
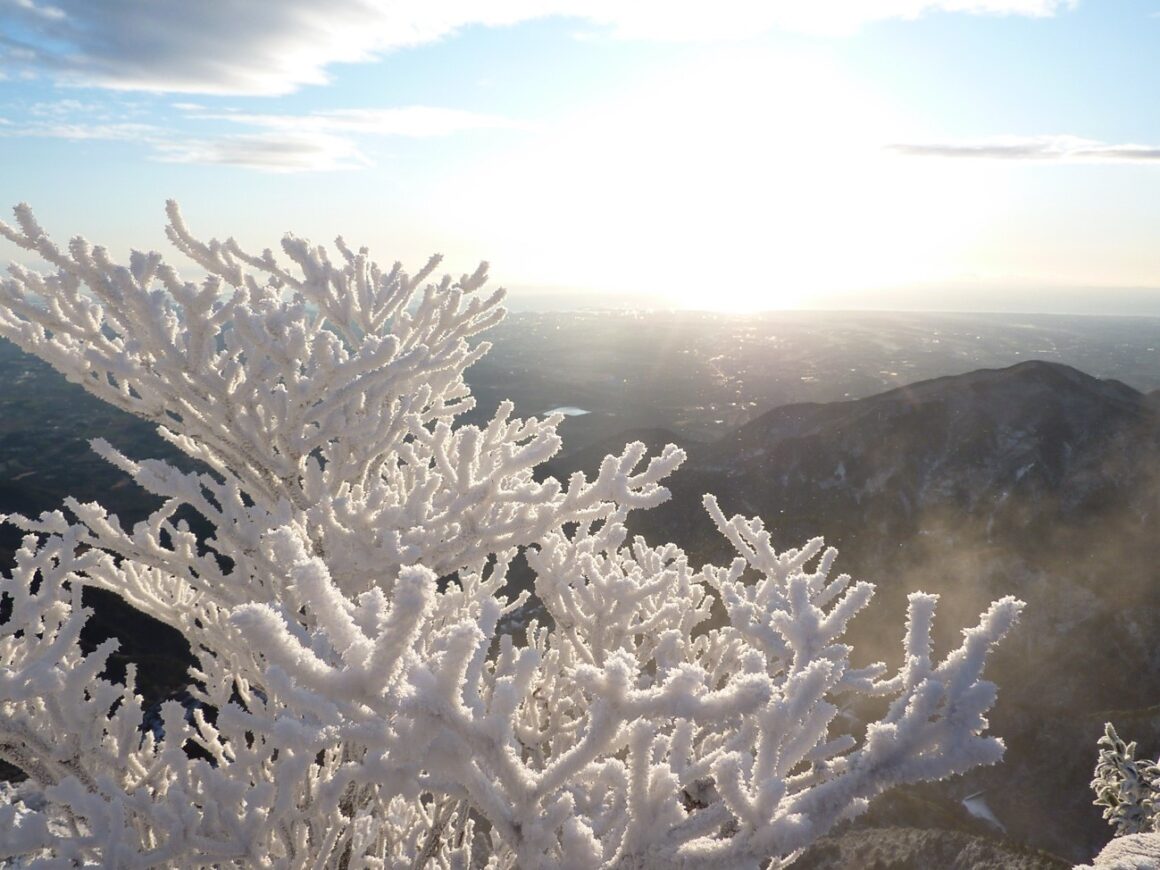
(366, 713)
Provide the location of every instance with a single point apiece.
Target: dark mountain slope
(1035, 480)
(974, 441)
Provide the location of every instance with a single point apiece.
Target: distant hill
(1035, 480)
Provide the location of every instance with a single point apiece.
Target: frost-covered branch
(1126, 787)
(356, 701)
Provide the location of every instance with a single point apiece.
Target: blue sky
(953, 154)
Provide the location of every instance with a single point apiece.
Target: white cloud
(51, 13)
(282, 151)
(263, 48)
(1067, 149)
(269, 152)
(730, 19)
(411, 121)
(62, 108)
(228, 46)
(77, 131)
(320, 142)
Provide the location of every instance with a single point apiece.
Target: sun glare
(739, 184)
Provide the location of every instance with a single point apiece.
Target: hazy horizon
(1096, 302)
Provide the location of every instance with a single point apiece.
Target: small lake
(568, 411)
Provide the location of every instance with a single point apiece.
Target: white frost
(357, 704)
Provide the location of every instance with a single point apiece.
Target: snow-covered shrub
(360, 703)
(1126, 787)
(1129, 791)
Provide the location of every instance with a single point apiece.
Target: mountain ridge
(1035, 480)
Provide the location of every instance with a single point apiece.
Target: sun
(821, 228)
(738, 183)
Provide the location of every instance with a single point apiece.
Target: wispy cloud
(410, 121)
(301, 152)
(179, 46)
(737, 18)
(1065, 149)
(321, 142)
(80, 130)
(64, 108)
(41, 10)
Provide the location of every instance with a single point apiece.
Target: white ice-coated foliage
(346, 611)
(1128, 788)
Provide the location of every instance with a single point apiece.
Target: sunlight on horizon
(740, 183)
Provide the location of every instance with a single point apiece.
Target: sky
(974, 155)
